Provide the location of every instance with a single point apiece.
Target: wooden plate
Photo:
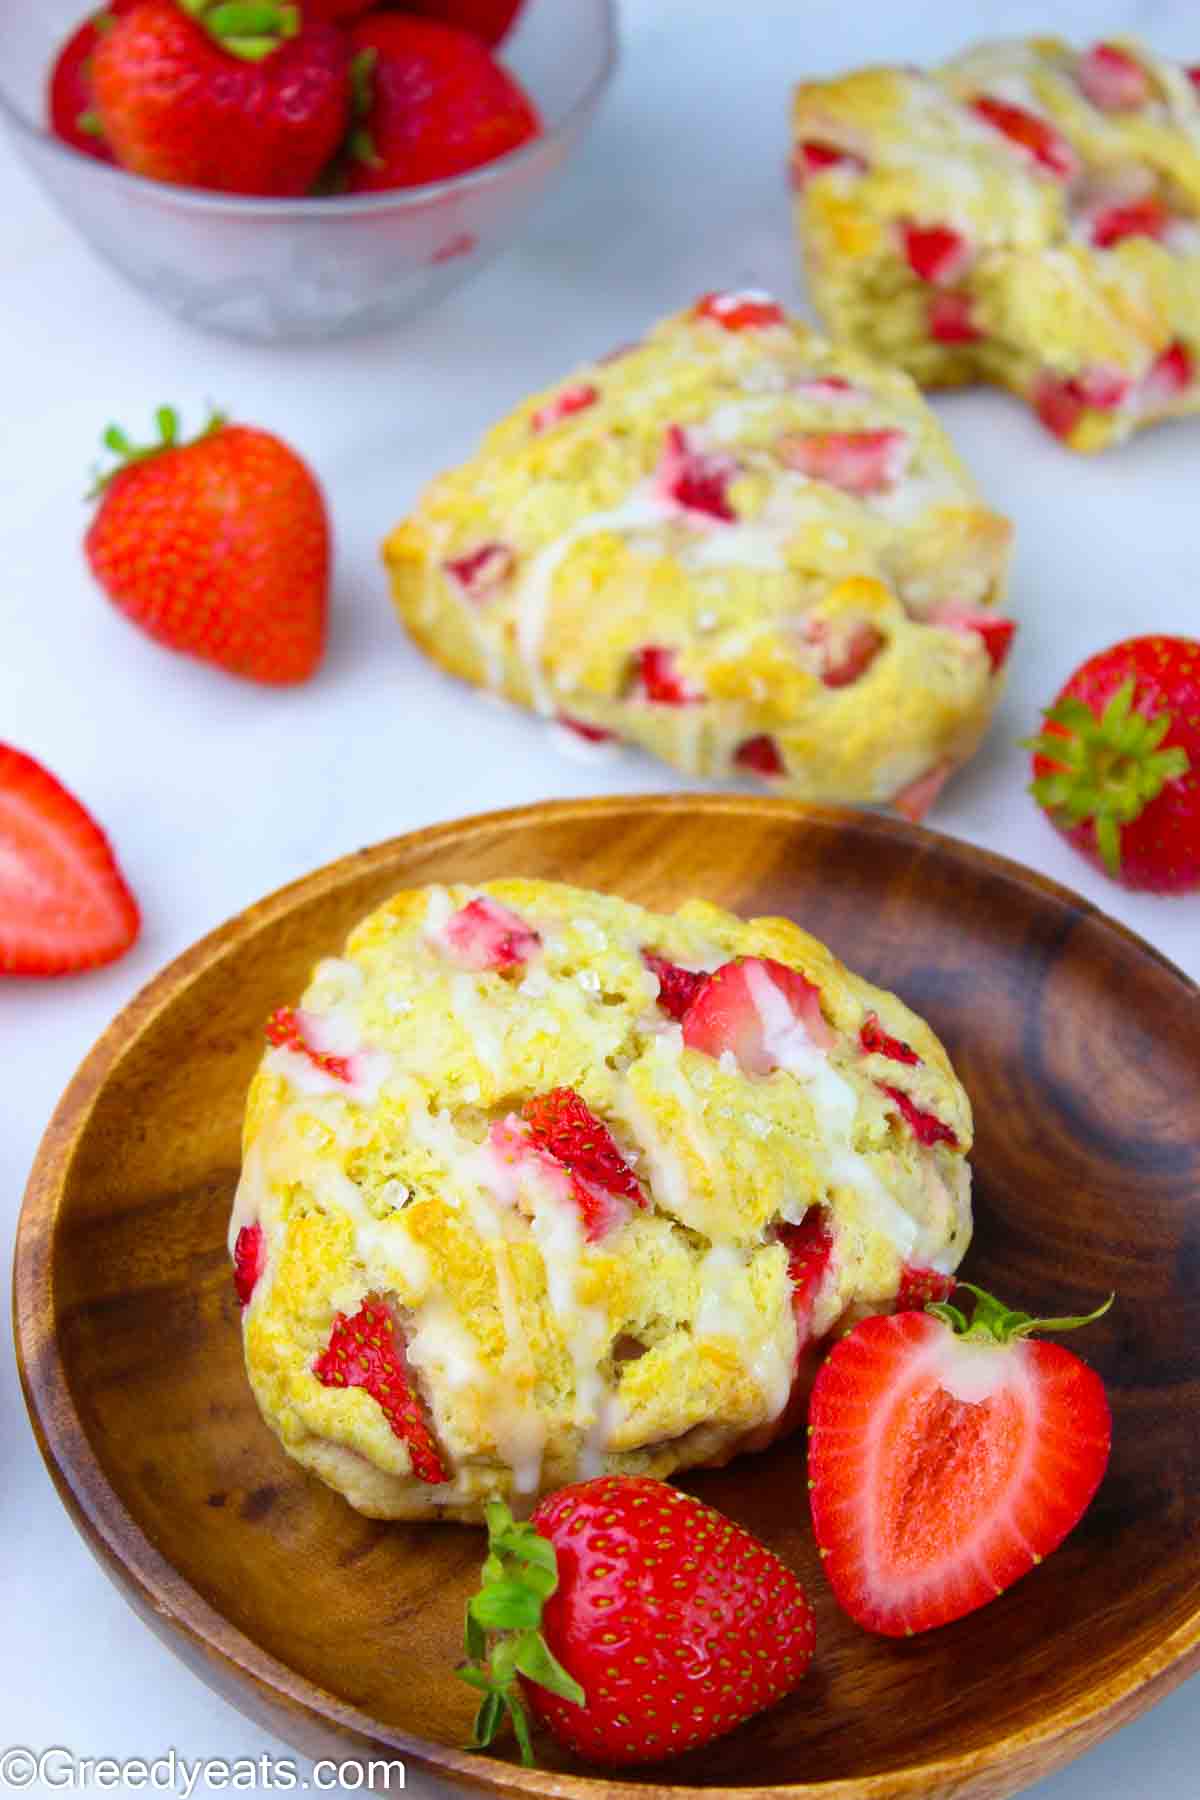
(1079, 1045)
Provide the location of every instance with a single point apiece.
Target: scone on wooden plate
(733, 545)
(539, 1184)
(1025, 214)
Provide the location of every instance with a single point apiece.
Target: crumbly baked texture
(733, 545)
(1026, 214)
(779, 1160)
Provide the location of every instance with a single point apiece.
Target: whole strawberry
(432, 102)
(70, 104)
(488, 19)
(1117, 765)
(218, 548)
(242, 96)
(636, 1622)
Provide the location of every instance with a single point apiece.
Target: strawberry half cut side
(367, 1351)
(758, 1010)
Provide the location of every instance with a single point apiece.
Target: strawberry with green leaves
(70, 104)
(947, 1457)
(1117, 764)
(218, 548)
(632, 1620)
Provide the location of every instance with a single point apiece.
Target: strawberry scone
(748, 552)
(539, 1185)
(1026, 214)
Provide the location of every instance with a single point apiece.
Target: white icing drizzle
(477, 1020)
(558, 1233)
(726, 1311)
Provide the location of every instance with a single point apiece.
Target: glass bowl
(274, 270)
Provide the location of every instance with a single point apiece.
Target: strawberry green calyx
(992, 1322)
(129, 453)
(360, 144)
(1108, 769)
(249, 29)
(503, 1631)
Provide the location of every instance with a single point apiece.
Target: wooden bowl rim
(127, 1554)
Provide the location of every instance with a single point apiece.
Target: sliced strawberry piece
(915, 800)
(677, 988)
(746, 311)
(942, 1467)
(485, 935)
(814, 157)
(1136, 218)
(64, 904)
(563, 1128)
(858, 462)
(919, 1286)
(756, 1008)
(825, 387)
(926, 1127)
(1171, 373)
(289, 1029)
(249, 1261)
(482, 571)
(997, 633)
(564, 405)
(1061, 401)
(809, 1248)
(761, 756)
(1046, 146)
(367, 1351)
(591, 734)
(660, 680)
(936, 253)
(951, 320)
(876, 1042)
(696, 480)
(1112, 79)
(846, 655)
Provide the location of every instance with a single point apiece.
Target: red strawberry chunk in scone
(858, 462)
(761, 756)
(249, 1261)
(997, 633)
(952, 320)
(582, 728)
(367, 1351)
(1111, 225)
(749, 310)
(919, 1286)
(1170, 374)
(915, 800)
(1112, 79)
(1060, 402)
(937, 253)
(825, 387)
(565, 405)
(813, 158)
(844, 652)
(677, 987)
(660, 681)
(809, 1247)
(485, 935)
(925, 1126)
(876, 1042)
(1045, 146)
(759, 1011)
(565, 1129)
(297, 1031)
(482, 571)
(695, 480)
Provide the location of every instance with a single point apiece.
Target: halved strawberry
(925, 1126)
(937, 253)
(809, 1247)
(858, 462)
(367, 1351)
(1112, 79)
(677, 988)
(249, 1261)
(64, 905)
(1037, 137)
(660, 680)
(761, 756)
(1135, 218)
(952, 321)
(846, 654)
(749, 310)
(876, 1042)
(563, 1127)
(915, 800)
(485, 935)
(918, 1287)
(997, 633)
(757, 1009)
(564, 405)
(814, 158)
(946, 1459)
(482, 571)
(290, 1029)
(696, 480)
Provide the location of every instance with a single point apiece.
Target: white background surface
(216, 792)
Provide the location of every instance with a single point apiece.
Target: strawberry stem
(248, 29)
(127, 453)
(1107, 768)
(503, 1637)
(994, 1323)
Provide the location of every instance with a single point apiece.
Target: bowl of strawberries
(289, 169)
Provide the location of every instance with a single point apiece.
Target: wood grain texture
(1080, 1047)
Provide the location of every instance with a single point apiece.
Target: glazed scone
(1025, 214)
(731, 545)
(538, 1185)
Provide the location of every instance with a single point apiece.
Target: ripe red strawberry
(1136, 218)
(488, 19)
(1117, 766)
(925, 1126)
(218, 101)
(945, 1459)
(677, 988)
(367, 1351)
(338, 12)
(64, 904)
(70, 103)
(563, 1127)
(760, 756)
(643, 1623)
(288, 1029)
(249, 1261)
(876, 1042)
(485, 935)
(218, 548)
(660, 680)
(434, 104)
(996, 632)
(697, 481)
(920, 1286)
(936, 253)
(755, 1009)
(809, 1247)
